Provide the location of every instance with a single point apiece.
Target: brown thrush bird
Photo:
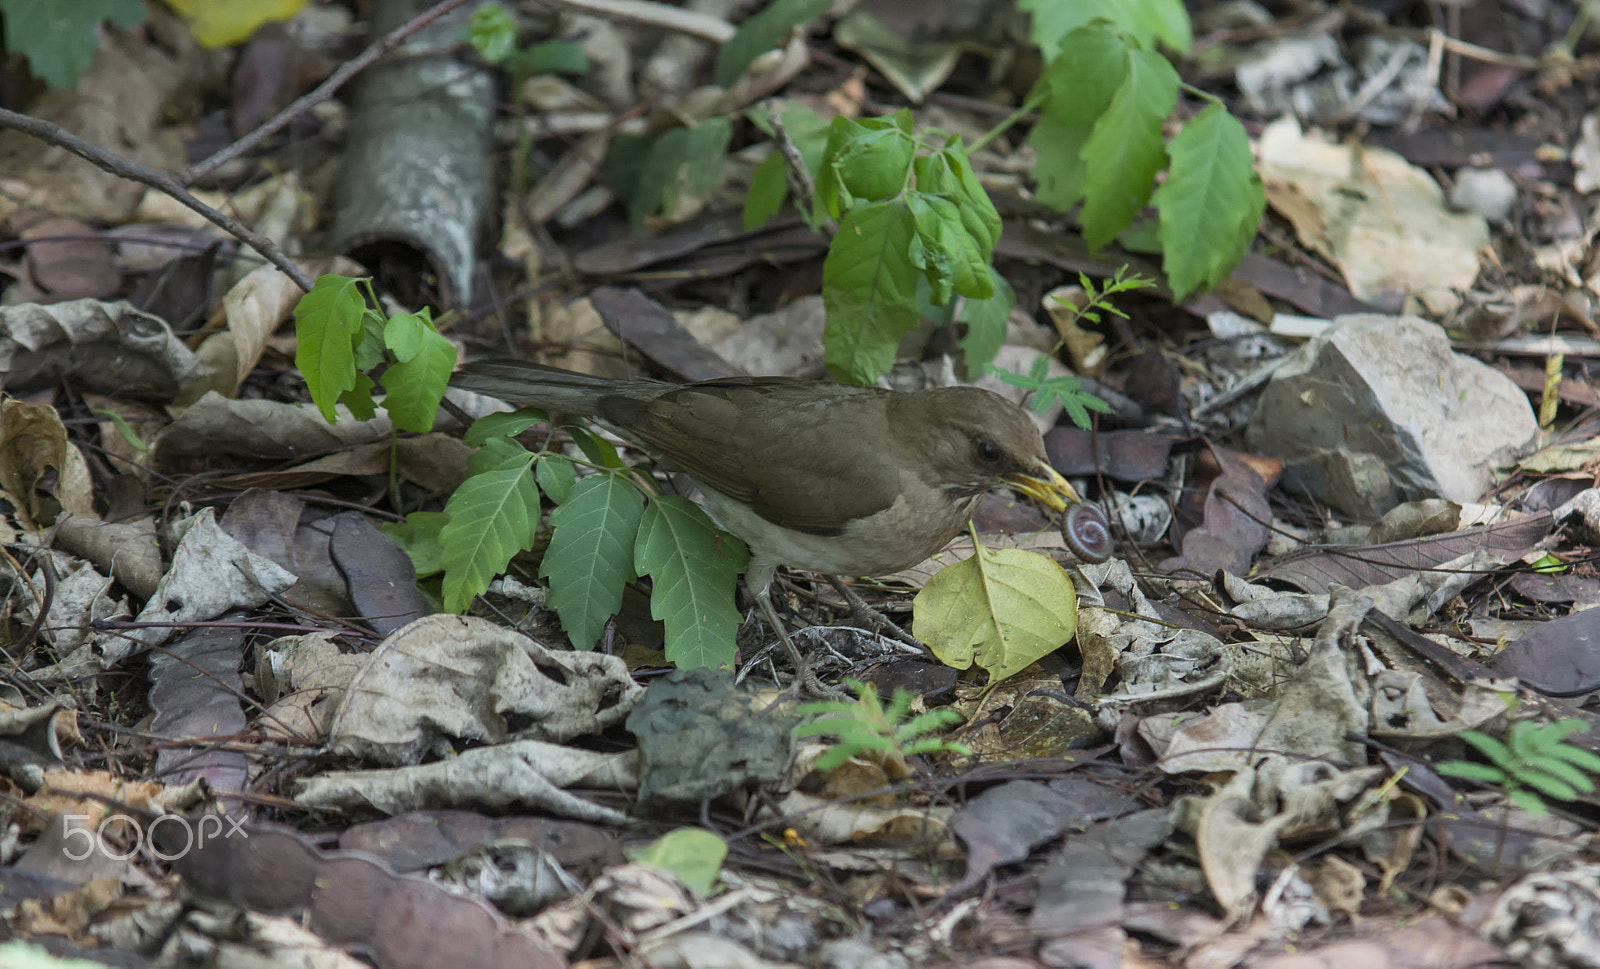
(842, 480)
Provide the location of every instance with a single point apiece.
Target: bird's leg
(871, 618)
(805, 679)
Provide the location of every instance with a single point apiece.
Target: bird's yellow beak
(1047, 486)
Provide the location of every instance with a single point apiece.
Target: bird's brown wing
(801, 459)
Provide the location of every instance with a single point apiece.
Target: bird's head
(974, 441)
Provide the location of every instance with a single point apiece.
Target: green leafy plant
(60, 39)
(340, 338)
(911, 212)
(866, 726)
(607, 528)
(492, 32)
(1532, 763)
(1068, 388)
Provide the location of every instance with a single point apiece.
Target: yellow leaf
(1001, 608)
(223, 23)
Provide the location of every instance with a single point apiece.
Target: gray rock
(1379, 410)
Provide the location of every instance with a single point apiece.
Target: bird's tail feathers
(535, 385)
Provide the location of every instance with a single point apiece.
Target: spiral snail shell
(1087, 533)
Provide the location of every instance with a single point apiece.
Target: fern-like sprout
(1534, 762)
(866, 726)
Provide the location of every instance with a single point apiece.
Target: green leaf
(986, 326)
(696, 570)
(415, 387)
(682, 163)
(60, 37)
(419, 536)
(1125, 150)
(1578, 756)
(1467, 770)
(126, 430)
(692, 855)
(1001, 608)
(590, 557)
(1083, 79)
(550, 57)
(597, 449)
(492, 32)
(358, 399)
(946, 254)
(868, 159)
(1211, 203)
(403, 334)
(767, 30)
(1547, 785)
(556, 477)
(493, 515)
(948, 173)
(1529, 801)
(1563, 772)
(502, 424)
(769, 186)
(1493, 749)
(869, 288)
(1148, 20)
(327, 322)
(369, 345)
(1059, 171)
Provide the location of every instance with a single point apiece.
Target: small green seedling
(1533, 762)
(866, 726)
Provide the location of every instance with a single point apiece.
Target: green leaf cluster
(59, 38)
(912, 216)
(340, 337)
(866, 726)
(605, 533)
(1532, 763)
(492, 32)
(1104, 96)
(910, 211)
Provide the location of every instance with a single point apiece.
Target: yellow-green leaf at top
(1002, 609)
(223, 23)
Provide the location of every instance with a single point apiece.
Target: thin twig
(53, 134)
(323, 91)
(650, 14)
(805, 193)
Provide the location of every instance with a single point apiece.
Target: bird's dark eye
(988, 452)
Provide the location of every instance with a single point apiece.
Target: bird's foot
(806, 682)
(871, 619)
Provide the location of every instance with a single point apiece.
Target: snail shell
(1087, 533)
